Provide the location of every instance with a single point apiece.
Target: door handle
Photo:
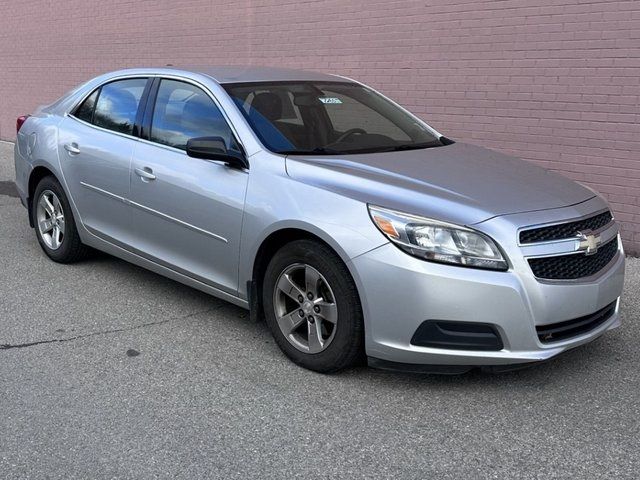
(72, 148)
(145, 173)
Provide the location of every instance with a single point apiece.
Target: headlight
(438, 241)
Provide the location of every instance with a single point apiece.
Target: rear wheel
(54, 223)
(312, 307)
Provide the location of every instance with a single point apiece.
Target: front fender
(276, 201)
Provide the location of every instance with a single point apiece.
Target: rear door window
(117, 105)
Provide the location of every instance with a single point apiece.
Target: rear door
(187, 212)
(96, 144)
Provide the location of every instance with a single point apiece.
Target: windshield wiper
(330, 151)
(315, 151)
(409, 146)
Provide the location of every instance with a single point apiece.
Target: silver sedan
(356, 230)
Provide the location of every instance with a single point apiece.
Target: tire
(332, 322)
(67, 246)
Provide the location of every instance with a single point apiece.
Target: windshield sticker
(330, 100)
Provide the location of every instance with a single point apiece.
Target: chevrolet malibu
(355, 229)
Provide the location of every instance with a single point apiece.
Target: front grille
(573, 266)
(572, 328)
(565, 230)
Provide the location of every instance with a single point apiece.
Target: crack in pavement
(8, 346)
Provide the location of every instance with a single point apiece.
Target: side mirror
(214, 148)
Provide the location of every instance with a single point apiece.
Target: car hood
(460, 183)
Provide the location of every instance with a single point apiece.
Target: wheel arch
(268, 248)
(37, 174)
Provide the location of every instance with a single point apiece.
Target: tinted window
(85, 110)
(118, 104)
(327, 118)
(184, 111)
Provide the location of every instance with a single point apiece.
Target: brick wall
(554, 81)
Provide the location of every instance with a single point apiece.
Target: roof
(251, 73)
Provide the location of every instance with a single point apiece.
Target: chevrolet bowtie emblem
(589, 242)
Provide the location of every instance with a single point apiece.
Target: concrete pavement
(110, 371)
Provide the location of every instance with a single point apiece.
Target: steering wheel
(347, 134)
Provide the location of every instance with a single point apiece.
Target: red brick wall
(554, 81)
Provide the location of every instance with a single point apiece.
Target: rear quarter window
(85, 110)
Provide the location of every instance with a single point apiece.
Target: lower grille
(572, 328)
(575, 265)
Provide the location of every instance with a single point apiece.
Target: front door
(187, 212)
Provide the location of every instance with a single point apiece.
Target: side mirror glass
(215, 148)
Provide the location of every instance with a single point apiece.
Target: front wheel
(312, 307)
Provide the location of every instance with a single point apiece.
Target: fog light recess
(457, 336)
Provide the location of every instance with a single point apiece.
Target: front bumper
(399, 292)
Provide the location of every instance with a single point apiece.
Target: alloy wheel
(50, 219)
(305, 308)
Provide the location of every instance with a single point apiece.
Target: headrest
(269, 105)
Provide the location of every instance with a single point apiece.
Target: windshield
(327, 118)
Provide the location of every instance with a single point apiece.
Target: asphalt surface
(110, 371)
